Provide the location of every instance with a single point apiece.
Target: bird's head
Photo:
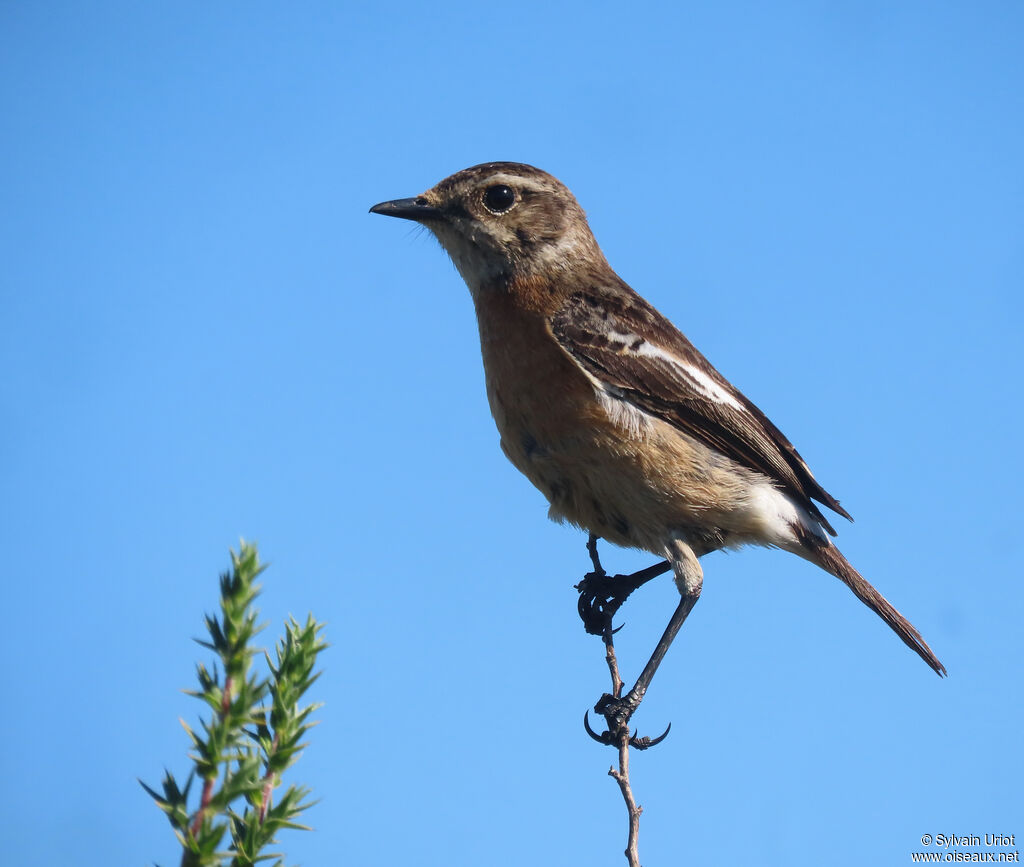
(502, 221)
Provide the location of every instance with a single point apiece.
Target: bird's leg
(601, 595)
(616, 710)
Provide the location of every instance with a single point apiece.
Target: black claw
(662, 736)
(590, 731)
(608, 739)
(591, 605)
(645, 743)
(601, 595)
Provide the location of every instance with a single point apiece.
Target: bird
(607, 408)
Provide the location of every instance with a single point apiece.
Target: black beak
(408, 209)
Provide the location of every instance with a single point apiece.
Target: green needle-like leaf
(241, 751)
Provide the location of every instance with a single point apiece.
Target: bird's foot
(617, 713)
(601, 595)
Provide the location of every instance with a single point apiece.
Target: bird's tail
(829, 557)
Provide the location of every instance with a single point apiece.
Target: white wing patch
(632, 418)
(696, 377)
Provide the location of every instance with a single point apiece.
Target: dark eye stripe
(457, 209)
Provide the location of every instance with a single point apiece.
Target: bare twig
(621, 735)
(595, 558)
(621, 776)
(618, 730)
(601, 596)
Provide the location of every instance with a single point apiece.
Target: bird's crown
(502, 220)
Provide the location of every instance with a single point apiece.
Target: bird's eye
(499, 198)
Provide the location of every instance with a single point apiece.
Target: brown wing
(640, 357)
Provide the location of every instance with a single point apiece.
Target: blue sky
(205, 336)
